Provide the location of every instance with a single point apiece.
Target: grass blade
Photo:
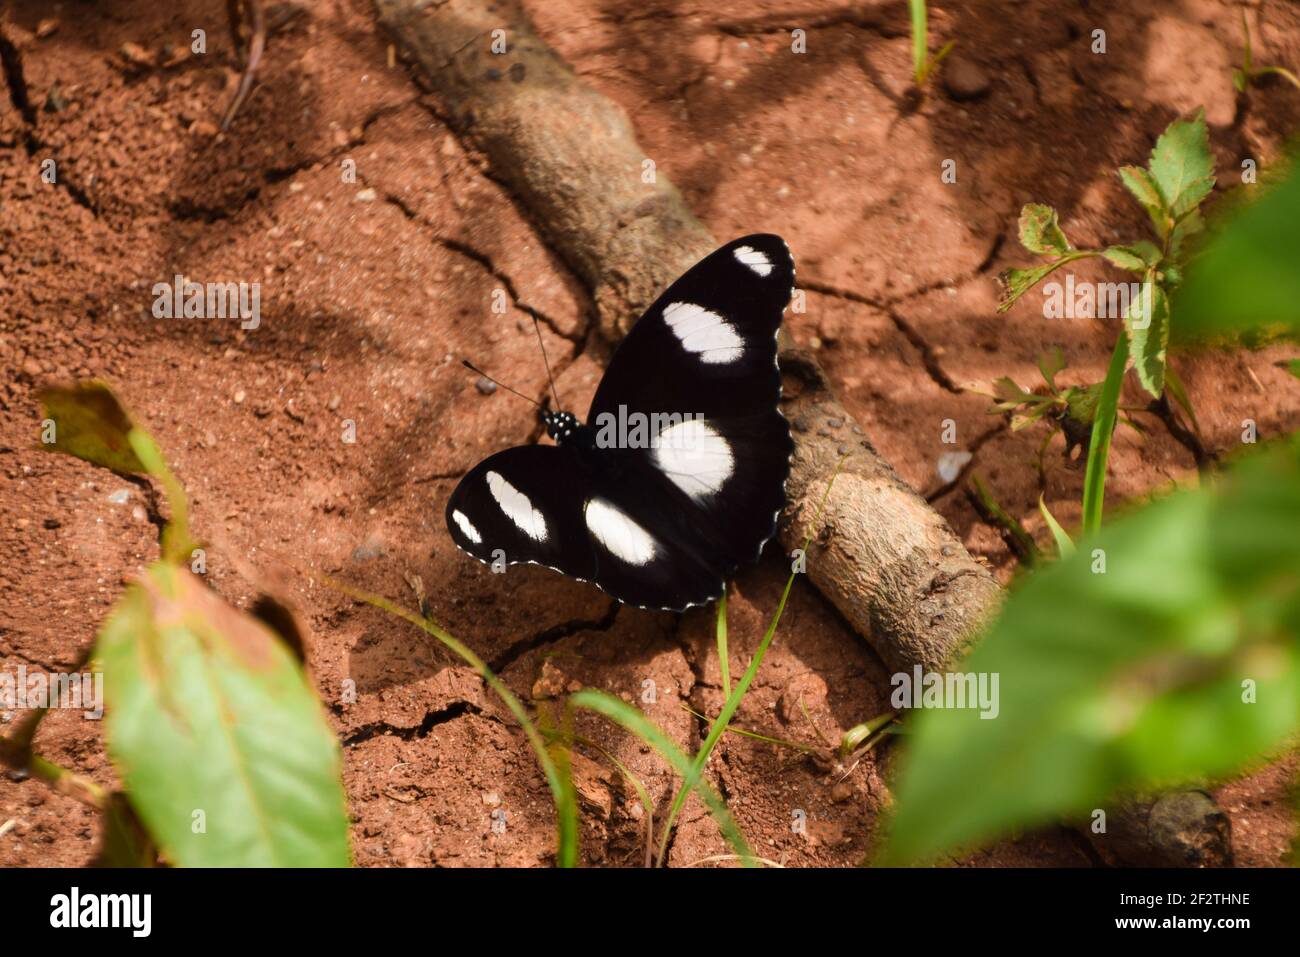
(1103, 426)
(919, 39)
(723, 663)
(566, 802)
(1064, 544)
(620, 712)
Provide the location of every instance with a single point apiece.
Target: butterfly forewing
(708, 344)
(707, 349)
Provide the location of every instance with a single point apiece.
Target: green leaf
(1040, 232)
(1081, 402)
(126, 842)
(1022, 420)
(211, 721)
(1188, 228)
(1147, 324)
(91, 424)
(1124, 679)
(1292, 366)
(1103, 427)
(1246, 277)
(1139, 182)
(1064, 544)
(1017, 282)
(1182, 165)
(1139, 257)
(1006, 389)
(1049, 364)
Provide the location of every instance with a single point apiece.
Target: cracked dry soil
(373, 290)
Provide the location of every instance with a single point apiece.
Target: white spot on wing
(466, 526)
(614, 529)
(704, 333)
(694, 457)
(755, 259)
(517, 507)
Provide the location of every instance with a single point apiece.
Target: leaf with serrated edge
(1182, 165)
(1050, 363)
(1040, 232)
(1147, 325)
(1139, 182)
(1137, 257)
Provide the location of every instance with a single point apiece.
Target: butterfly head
(561, 426)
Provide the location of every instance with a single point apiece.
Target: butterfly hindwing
(543, 505)
(524, 505)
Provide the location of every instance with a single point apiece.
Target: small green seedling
(924, 65)
(1177, 179)
(1171, 189)
(1069, 410)
(1248, 73)
(215, 731)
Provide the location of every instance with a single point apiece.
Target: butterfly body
(678, 475)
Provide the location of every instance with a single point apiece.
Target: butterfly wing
(583, 516)
(525, 504)
(664, 523)
(707, 349)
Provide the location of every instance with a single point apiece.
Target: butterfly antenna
(473, 368)
(537, 328)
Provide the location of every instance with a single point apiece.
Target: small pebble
(950, 465)
(120, 497)
(367, 195)
(240, 395)
(485, 385)
(964, 79)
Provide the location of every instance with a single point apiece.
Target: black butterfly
(679, 475)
